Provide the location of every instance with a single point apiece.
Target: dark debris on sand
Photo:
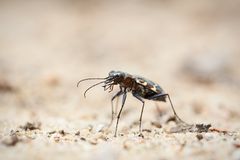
(198, 128)
(31, 126)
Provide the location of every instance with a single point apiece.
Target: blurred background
(190, 48)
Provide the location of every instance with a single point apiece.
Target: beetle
(141, 88)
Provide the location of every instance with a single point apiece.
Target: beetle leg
(164, 95)
(111, 88)
(115, 96)
(119, 114)
(140, 119)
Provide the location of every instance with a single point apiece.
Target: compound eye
(111, 73)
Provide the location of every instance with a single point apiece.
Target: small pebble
(199, 136)
(156, 124)
(237, 145)
(100, 128)
(11, 141)
(83, 139)
(62, 132)
(77, 133)
(93, 141)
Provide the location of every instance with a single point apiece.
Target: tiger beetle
(140, 87)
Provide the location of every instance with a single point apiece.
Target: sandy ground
(190, 48)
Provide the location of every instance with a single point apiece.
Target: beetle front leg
(115, 96)
(119, 114)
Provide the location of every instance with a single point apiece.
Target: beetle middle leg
(140, 119)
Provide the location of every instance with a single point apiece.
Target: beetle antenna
(89, 79)
(92, 87)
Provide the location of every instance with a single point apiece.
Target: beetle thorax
(125, 80)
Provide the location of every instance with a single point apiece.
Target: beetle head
(117, 76)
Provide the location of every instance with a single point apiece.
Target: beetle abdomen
(148, 89)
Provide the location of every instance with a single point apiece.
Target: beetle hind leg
(164, 95)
